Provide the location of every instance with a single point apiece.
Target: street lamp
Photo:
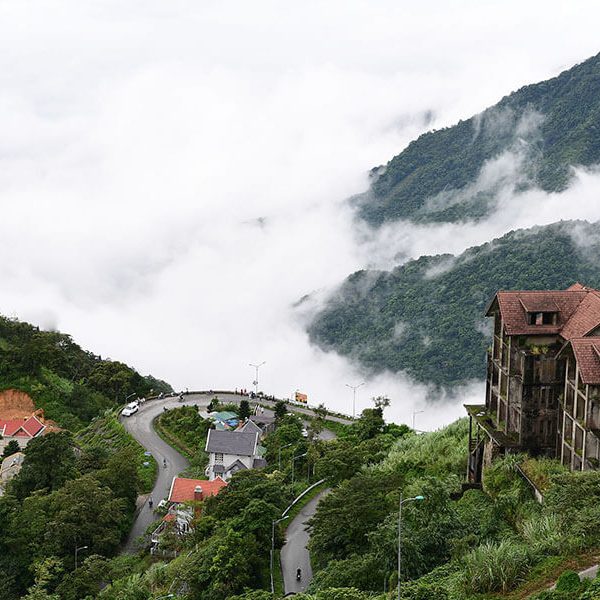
(132, 394)
(294, 459)
(280, 449)
(76, 551)
(273, 547)
(354, 388)
(255, 382)
(415, 412)
(167, 596)
(402, 501)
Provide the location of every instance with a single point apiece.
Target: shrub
(495, 567)
(568, 582)
(543, 533)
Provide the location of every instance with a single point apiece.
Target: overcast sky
(173, 174)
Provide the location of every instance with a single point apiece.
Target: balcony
(485, 420)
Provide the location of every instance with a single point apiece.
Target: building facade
(543, 379)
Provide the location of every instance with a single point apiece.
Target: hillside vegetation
(72, 385)
(427, 317)
(530, 138)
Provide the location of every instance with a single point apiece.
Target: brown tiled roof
(587, 354)
(585, 318)
(577, 308)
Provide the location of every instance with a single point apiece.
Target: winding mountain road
(140, 427)
(294, 553)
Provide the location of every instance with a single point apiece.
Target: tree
(341, 460)
(369, 424)
(85, 512)
(86, 580)
(381, 402)
(280, 409)
(49, 463)
(244, 410)
(11, 448)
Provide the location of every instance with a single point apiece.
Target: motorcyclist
(298, 574)
(165, 463)
(150, 502)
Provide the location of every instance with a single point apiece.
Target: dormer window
(542, 318)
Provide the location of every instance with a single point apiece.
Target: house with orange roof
(184, 505)
(543, 380)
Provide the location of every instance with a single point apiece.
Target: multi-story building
(543, 379)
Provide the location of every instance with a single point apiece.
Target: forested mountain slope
(426, 316)
(71, 385)
(530, 138)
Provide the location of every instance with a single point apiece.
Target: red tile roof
(21, 427)
(182, 489)
(577, 308)
(587, 354)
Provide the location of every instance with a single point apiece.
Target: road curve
(140, 427)
(294, 553)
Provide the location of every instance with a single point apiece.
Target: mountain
(69, 383)
(531, 138)
(426, 317)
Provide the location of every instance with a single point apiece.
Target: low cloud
(173, 177)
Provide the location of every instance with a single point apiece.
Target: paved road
(294, 553)
(140, 427)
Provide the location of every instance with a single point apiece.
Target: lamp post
(415, 413)
(280, 449)
(354, 388)
(255, 382)
(273, 547)
(293, 460)
(167, 596)
(402, 501)
(76, 551)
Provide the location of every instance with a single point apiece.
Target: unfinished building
(543, 380)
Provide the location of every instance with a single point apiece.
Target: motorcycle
(298, 575)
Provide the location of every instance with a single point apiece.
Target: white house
(232, 451)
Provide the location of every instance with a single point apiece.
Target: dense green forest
(547, 128)
(69, 383)
(426, 317)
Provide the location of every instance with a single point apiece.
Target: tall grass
(543, 534)
(495, 567)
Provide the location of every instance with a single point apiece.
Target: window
(219, 458)
(542, 318)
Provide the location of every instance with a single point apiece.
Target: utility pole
(415, 412)
(76, 551)
(255, 382)
(402, 501)
(354, 388)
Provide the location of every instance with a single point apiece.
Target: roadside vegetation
(185, 430)
(72, 385)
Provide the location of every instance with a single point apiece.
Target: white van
(130, 409)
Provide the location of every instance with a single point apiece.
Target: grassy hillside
(72, 385)
(546, 128)
(426, 317)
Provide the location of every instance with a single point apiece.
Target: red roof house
(188, 490)
(21, 430)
